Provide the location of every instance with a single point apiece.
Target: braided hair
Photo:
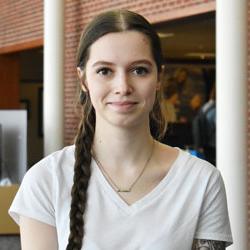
(111, 21)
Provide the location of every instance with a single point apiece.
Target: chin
(138, 117)
(128, 121)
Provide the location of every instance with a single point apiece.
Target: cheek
(152, 98)
(93, 93)
(97, 93)
(149, 96)
(150, 91)
(92, 87)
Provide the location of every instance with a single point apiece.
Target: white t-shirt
(189, 202)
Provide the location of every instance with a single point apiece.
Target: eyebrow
(143, 61)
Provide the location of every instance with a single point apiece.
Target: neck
(120, 148)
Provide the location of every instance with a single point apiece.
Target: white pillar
(53, 75)
(231, 49)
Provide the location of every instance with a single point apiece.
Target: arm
(199, 244)
(37, 235)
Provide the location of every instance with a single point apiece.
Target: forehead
(121, 46)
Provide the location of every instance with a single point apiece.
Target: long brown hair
(111, 21)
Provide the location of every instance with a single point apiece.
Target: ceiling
(190, 38)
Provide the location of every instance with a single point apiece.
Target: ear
(81, 76)
(79, 72)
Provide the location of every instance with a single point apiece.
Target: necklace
(120, 190)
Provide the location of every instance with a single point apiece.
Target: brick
(20, 21)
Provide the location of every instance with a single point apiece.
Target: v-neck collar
(147, 198)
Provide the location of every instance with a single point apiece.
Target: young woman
(118, 187)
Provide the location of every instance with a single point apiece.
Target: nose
(122, 84)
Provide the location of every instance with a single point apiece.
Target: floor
(9, 242)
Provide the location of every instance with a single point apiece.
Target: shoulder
(192, 169)
(186, 168)
(183, 162)
(53, 164)
(208, 105)
(206, 179)
(41, 186)
(197, 164)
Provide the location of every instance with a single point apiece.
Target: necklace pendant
(106, 175)
(123, 191)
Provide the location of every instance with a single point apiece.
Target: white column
(231, 49)
(53, 75)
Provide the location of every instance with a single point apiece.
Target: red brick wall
(21, 24)
(77, 15)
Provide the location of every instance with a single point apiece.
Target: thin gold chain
(119, 190)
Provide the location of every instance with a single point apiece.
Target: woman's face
(122, 79)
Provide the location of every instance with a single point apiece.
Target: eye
(140, 71)
(104, 71)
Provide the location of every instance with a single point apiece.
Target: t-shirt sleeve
(213, 223)
(34, 198)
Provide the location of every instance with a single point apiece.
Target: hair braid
(82, 172)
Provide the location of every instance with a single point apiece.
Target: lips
(122, 106)
(122, 103)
